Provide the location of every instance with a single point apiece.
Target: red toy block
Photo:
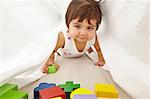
(52, 93)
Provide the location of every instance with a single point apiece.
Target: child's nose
(83, 32)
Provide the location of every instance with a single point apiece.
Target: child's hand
(100, 63)
(45, 67)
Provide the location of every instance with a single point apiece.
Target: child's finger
(99, 63)
(96, 64)
(45, 69)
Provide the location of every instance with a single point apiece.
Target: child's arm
(50, 61)
(101, 60)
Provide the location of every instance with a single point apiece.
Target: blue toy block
(84, 97)
(40, 87)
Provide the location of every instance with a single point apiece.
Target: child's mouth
(82, 37)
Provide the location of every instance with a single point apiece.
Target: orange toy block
(52, 92)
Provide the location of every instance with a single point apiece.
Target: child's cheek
(91, 37)
(73, 34)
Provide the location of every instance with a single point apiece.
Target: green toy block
(7, 87)
(14, 95)
(52, 69)
(69, 87)
(10, 91)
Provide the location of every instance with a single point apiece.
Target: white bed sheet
(124, 29)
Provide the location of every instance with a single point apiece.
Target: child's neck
(80, 45)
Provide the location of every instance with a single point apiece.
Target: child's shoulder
(61, 39)
(61, 35)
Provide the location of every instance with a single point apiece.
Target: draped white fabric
(127, 51)
(28, 33)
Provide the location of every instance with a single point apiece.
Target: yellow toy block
(56, 98)
(106, 98)
(106, 90)
(80, 91)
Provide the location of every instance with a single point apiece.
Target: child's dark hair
(84, 9)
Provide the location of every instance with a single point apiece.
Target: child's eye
(90, 28)
(77, 26)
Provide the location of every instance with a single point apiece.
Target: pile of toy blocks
(10, 91)
(69, 90)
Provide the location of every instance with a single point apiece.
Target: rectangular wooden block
(107, 98)
(56, 98)
(40, 87)
(106, 90)
(14, 94)
(84, 97)
(7, 87)
(52, 93)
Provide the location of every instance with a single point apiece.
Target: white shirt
(70, 49)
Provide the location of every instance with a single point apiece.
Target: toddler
(83, 18)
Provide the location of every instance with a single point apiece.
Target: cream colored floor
(79, 70)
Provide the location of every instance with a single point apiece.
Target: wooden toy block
(81, 91)
(7, 87)
(106, 98)
(84, 97)
(52, 69)
(69, 87)
(14, 94)
(56, 98)
(106, 90)
(10, 91)
(52, 93)
(40, 87)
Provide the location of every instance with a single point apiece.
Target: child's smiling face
(82, 31)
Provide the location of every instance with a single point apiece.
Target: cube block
(40, 87)
(7, 87)
(56, 98)
(10, 91)
(14, 95)
(52, 93)
(106, 90)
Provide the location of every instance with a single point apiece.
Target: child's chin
(82, 40)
